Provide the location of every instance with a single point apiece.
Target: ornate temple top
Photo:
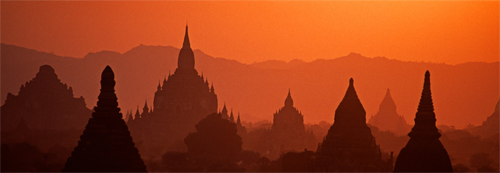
(387, 104)
(186, 55)
(107, 103)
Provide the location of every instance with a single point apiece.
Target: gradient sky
(449, 32)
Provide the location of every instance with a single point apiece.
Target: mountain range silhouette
(465, 90)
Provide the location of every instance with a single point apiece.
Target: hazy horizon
(439, 32)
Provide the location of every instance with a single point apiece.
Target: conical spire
(137, 114)
(426, 99)
(424, 152)
(350, 108)
(425, 120)
(146, 108)
(186, 40)
(224, 109)
(224, 112)
(106, 144)
(186, 55)
(107, 104)
(387, 104)
(231, 118)
(128, 115)
(238, 121)
(289, 100)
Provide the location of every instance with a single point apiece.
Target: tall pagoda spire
(424, 152)
(289, 100)
(186, 55)
(106, 145)
(186, 43)
(425, 120)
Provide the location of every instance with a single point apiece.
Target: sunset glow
(442, 32)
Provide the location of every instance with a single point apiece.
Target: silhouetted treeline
(25, 157)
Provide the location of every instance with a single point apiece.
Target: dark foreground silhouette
(106, 145)
(424, 152)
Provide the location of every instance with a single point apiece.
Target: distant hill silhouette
(465, 90)
(276, 64)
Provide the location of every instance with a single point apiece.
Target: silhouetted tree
(250, 160)
(56, 157)
(215, 145)
(461, 168)
(174, 161)
(481, 162)
(22, 157)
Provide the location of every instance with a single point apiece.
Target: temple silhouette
(388, 119)
(45, 103)
(424, 151)
(105, 145)
(288, 132)
(183, 100)
(349, 145)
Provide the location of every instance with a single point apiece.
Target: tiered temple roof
(106, 145)
(424, 152)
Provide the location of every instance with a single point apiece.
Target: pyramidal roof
(387, 103)
(350, 108)
(106, 145)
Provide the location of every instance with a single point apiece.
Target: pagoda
(182, 100)
(105, 145)
(388, 119)
(288, 132)
(349, 145)
(424, 152)
(45, 103)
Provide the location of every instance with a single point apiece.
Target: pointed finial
(351, 81)
(186, 39)
(238, 121)
(289, 100)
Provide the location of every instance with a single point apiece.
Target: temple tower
(181, 101)
(288, 132)
(387, 118)
(349, 145)
(424, 152)
(105, 145)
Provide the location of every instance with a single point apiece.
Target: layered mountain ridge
(460, 90)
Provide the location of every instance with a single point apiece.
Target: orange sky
(450, 32)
